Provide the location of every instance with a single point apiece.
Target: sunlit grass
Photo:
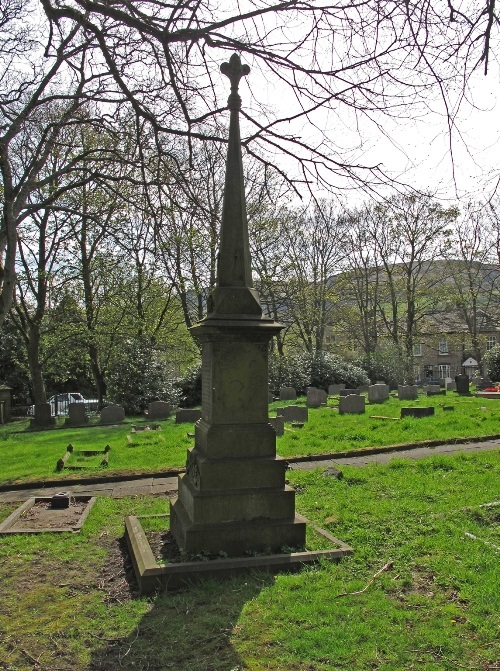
(29, 455)
(435, 609)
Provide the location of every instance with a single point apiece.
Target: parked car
(59, 403)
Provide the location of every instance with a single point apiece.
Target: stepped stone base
(234, 538)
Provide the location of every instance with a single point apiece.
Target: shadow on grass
(186, 630)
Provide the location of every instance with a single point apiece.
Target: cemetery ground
(69, 602)
(29, 456)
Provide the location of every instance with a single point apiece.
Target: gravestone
(43, 416)
(484, 383)
(462, 382)
(349, 392)
(278, 424)
(451, 386)
(378, 393)
(354, 404)
(187, 415)
(5, 404)
(293, 413)
(159, 410)
(316, 398)
(407, 392)
(334, 389)
(112, 414)
(76, 414)
(363, 389)
(233, 497)
(288, 394)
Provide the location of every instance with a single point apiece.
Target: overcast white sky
(420, 151)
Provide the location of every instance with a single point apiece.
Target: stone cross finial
(235, 71)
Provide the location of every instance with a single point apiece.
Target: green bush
(138, 375)
(189, 388)
(319, 369)
(492, 362)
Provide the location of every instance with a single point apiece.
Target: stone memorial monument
(233, 496)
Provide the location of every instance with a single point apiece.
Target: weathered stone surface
(294, 413)
(187, 415)
(316, 398)
(288, 394)
(462, 382)
(354, 404)
(363, 389)
(159, 410)
(112, 414)
(349, 392)
(332, 472)
(233, 497)
(417, 412)
(5, 404)
(220, 474)
(43, 416)
(334, 389)
(378, 393)
(451, 386)
(434, 390)
(76, 414)
(278, 424)
(407, 392)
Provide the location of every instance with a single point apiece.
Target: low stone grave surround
(70, 451)
(417, 412)
(39, 515)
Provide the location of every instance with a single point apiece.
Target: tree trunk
(35, 366)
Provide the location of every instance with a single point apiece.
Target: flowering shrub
(319, 369)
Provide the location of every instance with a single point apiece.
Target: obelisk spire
(234, 258)
(234, 293)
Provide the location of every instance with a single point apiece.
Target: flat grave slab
(37, 515)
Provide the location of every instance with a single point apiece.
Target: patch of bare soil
(164, 547)
(43, 516)
(117, 577)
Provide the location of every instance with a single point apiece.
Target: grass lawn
(67, 605)
(32, 455)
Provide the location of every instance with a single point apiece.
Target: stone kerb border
(153, 577)
(8, 525)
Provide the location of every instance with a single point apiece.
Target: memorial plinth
(233, 497)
